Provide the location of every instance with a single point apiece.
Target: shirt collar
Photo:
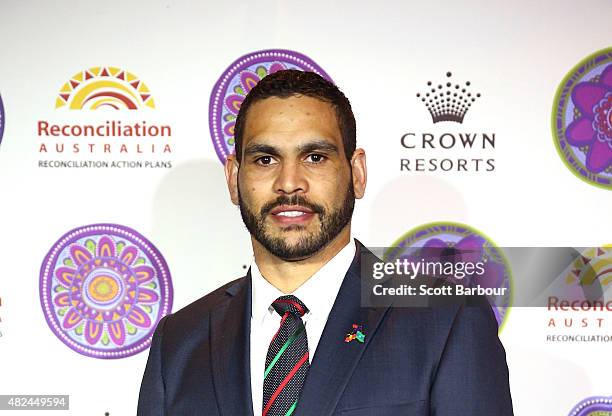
(318, 293)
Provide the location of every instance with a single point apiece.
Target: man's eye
(316, 158)
(264, 160)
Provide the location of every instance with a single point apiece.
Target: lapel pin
(356, 333)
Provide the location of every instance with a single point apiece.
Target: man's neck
(287, 276)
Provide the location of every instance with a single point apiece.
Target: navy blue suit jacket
(442, 361)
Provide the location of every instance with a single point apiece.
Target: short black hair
(292, 82)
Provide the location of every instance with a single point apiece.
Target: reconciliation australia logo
(579, 311)
(447, 147)
(118, 134)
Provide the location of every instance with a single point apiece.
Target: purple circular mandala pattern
(103, 289)
(582, 119)
(593, 406)
(236, 82)
(1, 119)
(473, 245)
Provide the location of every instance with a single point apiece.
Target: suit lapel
(335, 360)
(230, 350)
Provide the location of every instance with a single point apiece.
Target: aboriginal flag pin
(356, 333)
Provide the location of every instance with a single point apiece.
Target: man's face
(294, 182)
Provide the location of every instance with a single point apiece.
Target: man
(274, 342)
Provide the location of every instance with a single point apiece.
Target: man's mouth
(291, 214)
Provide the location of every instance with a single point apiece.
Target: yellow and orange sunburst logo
(104, 87)
(594, 265)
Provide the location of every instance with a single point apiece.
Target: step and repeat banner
(486, 125)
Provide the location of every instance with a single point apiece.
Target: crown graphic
(448, 102)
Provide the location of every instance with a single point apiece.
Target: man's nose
(290, 179)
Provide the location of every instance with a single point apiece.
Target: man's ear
(360, 173)
(231, 176)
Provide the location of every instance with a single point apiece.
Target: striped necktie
(287, 359)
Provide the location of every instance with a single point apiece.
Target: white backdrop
(380, 54)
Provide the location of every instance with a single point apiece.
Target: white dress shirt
(318, 293)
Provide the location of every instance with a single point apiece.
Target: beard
(331, 222)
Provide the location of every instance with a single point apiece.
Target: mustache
(291, 200)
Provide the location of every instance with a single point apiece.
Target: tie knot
(291, 304)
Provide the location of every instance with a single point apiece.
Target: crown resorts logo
(582, 119)
(593, 406)
(236, 82)
(108, 132)
(1, 119)
(470, 151)
(103, 289)
(448, 102)
(471, 245)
